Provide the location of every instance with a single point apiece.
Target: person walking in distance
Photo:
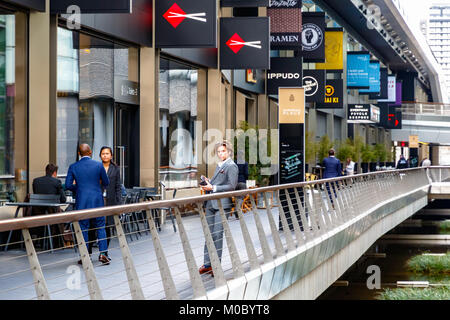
(225, 179)
(333, 169)
(87, 177)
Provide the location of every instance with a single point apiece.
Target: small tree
(324, 146)
(367, 153)
(380, 152)
(345, 150)
(311, 147)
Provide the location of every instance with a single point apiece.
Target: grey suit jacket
(225, 179)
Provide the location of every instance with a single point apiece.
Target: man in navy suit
(332, 166)
(333, 169)
(86, 178)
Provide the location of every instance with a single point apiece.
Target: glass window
(88, 69)
(178, 106)
(13, 111)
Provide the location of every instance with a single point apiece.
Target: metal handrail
(67, 217)
(318, 218)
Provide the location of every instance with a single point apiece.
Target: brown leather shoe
(104, 259)
(204, 269)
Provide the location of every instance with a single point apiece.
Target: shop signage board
(244, 43)
(391, 117)
(126, 91)
(374, 78)
(292, 135)
(313, 37)
(334, 51)
(383, 94)
(414, 141)
(186, 24)
(90, 6)
(398, 94)
(358, 70)
(285, 24)
(284, 72)
(244, 3)
(392, 90)
(363, 113)
(314, 85)
(334, 95)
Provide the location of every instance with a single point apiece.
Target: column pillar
(39, 93)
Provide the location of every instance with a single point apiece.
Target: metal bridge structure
(289, 241)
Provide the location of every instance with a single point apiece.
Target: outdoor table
(21, 205)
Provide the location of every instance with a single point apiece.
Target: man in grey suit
(225, 179)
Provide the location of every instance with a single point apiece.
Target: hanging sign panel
(313, 37)
(383, 94)
(186, 24)
(392, 90)
(398, 94)
(244, 3)
(334, 51)
(363, 113)
(292, 135)
(391, 117)
(334, 95)
(374, 78)
(358, 70)
(244, 43)
(284, 72)
(90, 6)
(314, 85)
(285, 24)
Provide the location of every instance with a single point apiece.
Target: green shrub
(435, 293)
(429, 264)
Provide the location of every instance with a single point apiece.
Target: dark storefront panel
(240, 81)
(38, 5)
(244, 3)
(89, 6)
(135, 27)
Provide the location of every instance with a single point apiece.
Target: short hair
(225, 144)
(50, 169)
(331, 152)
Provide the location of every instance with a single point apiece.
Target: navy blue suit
(90, 176)
(333, 168)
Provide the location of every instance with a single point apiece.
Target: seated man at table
(49, 184)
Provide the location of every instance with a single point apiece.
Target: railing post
(166, 276)
(249, 247)
(39, 281)
(320, 214)
(219, 276)
(91, 279)
(275, 235)
(262, 236)
(316, 230)
(238, 270)
(133, 279)
(298, 233)
(305, 225)
(286, 229)
(196, 281)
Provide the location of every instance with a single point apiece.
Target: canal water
(393, 265)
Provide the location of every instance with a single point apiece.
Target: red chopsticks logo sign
(235, 43)
(175, 15)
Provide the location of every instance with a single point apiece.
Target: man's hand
(208, 187)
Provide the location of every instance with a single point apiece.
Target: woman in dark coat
(113, 190)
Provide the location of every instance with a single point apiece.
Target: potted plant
(311, 148)
(345, 150)
(381, 154)
(366, 156)
(358, 144)
(324, 146)
(254, 170)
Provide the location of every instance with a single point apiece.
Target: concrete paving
(66, 281)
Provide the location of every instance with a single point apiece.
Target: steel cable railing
(147, 264)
